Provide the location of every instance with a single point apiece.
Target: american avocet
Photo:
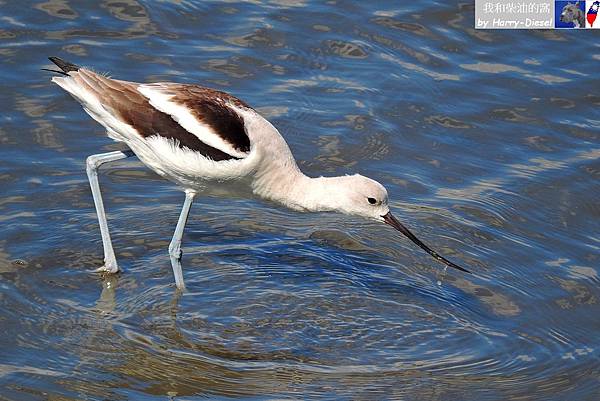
(198, 137)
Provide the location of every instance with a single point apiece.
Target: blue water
(488, 143)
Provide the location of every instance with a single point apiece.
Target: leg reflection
(107, 303)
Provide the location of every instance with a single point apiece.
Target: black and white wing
(202, 120)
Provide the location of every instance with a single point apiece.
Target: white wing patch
(160, 98)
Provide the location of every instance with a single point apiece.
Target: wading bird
(199, 137)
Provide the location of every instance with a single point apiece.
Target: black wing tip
(64, 65)
(55, 71)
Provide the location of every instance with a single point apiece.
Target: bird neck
(278, 177)
(295, 190)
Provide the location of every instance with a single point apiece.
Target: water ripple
(485, 140)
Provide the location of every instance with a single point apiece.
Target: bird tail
(65, 66)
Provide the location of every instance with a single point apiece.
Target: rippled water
(488, 142)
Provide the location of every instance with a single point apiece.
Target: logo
(592, 13)
(570, 15)
(536, 14)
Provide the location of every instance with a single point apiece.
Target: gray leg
(93, 162)
(175, 246)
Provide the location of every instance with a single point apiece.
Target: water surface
(488, 142)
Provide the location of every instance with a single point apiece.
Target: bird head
(361, 196)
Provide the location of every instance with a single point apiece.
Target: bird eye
(372, 201)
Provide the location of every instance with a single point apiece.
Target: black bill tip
(392, 221)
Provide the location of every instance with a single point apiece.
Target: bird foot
(110, 267)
